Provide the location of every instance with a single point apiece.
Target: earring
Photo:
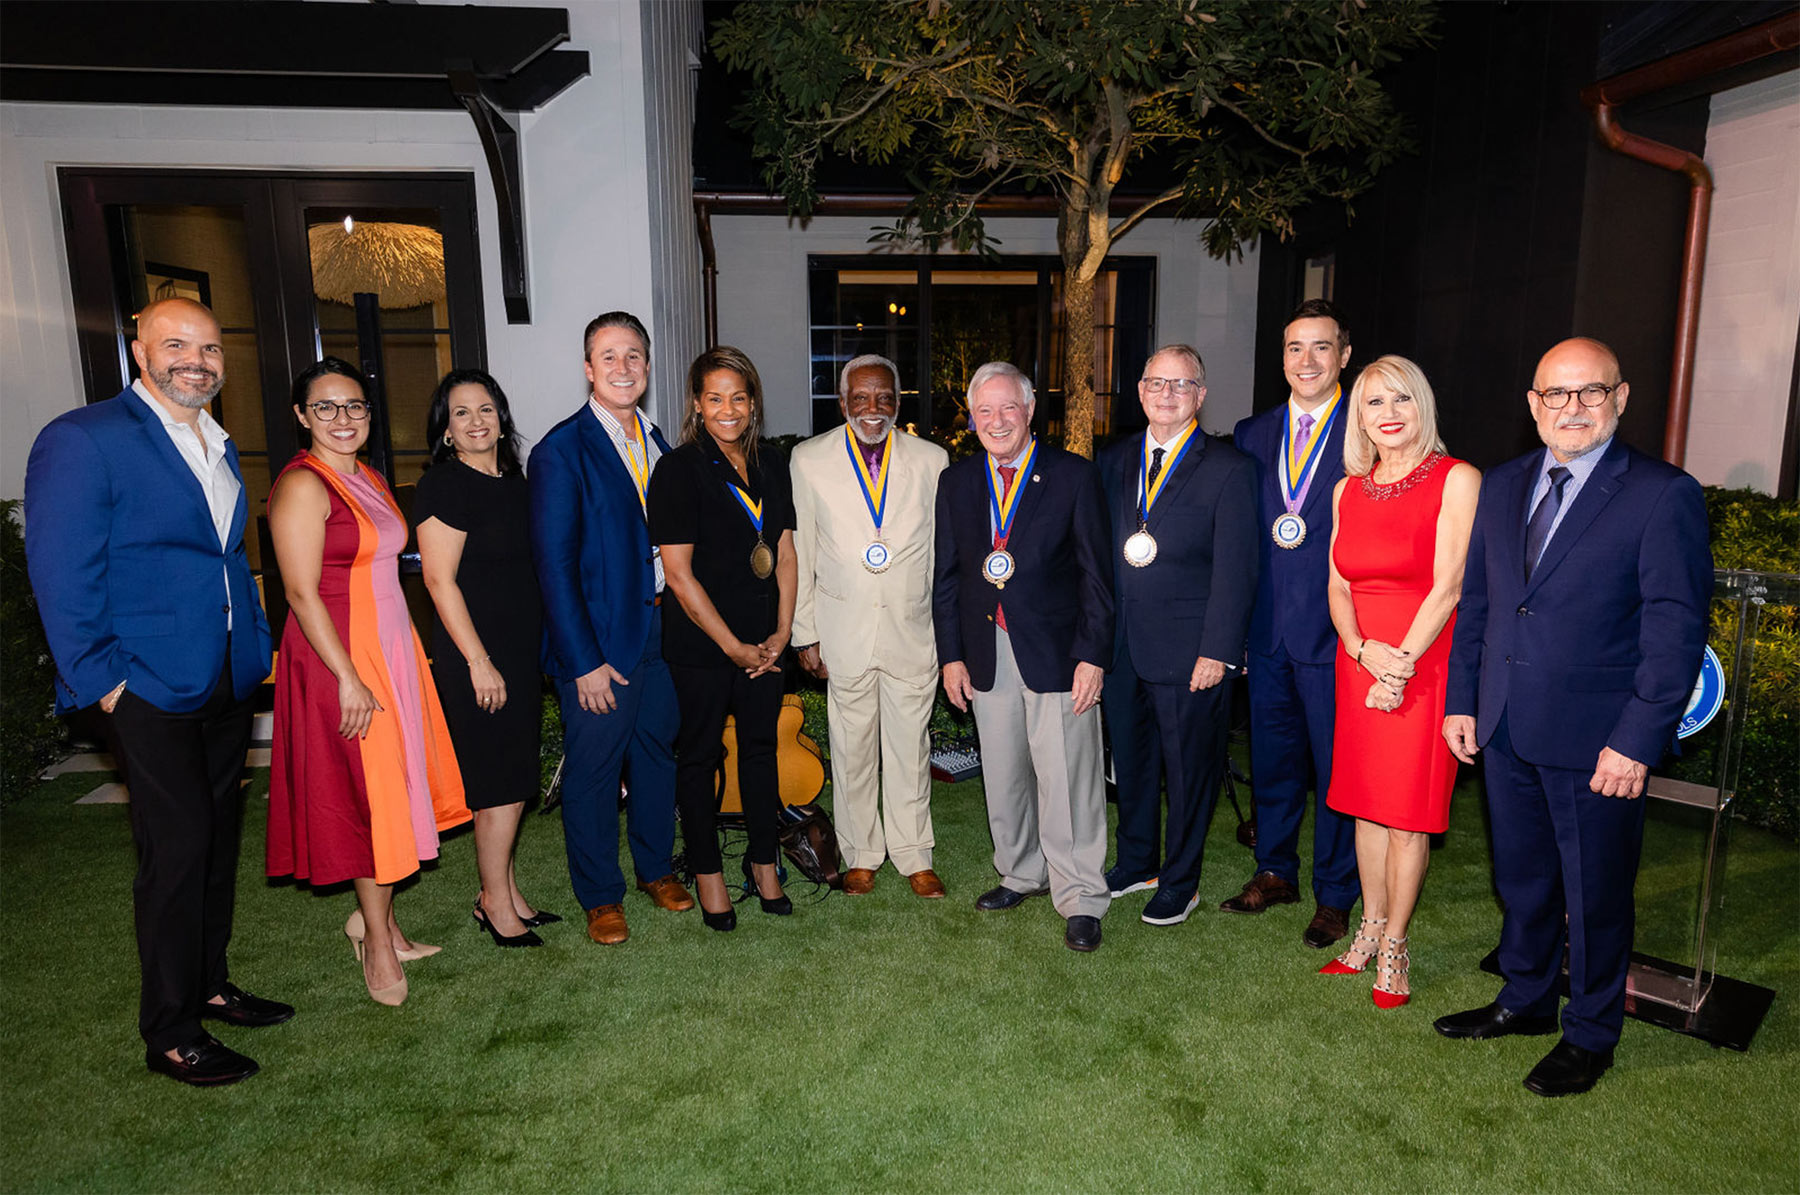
(447, 439)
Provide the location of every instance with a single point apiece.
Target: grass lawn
(880, 1043)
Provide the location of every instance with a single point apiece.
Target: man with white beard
(863, 501)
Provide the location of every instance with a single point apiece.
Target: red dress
(373, 806)
(1392, 768)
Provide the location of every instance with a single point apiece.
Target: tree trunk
(1078, 359)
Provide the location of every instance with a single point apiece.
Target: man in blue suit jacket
(1578, 637)
(1184, 536)
(134, 533)
(1023, 609)
(602, 584)
(1298, 448)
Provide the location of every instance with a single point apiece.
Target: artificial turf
(878, 1043)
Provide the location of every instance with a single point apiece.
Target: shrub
(1755, 532)
(30, 735)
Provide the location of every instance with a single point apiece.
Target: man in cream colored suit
(863, 501)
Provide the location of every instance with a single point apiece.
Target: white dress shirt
(205, 457)
(615, 431)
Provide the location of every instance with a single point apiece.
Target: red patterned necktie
(1007, 473)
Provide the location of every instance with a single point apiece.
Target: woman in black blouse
(722, 510)
(472, 509)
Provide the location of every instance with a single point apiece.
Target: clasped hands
(1392, 668)
(757, 658)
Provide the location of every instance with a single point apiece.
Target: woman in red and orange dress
(1400, 535)
(364, 777)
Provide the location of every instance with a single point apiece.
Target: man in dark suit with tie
(1022, 606)
(134, 533)
(602, 584)
(1298, 448)
(1184, 536)
(1578, 637)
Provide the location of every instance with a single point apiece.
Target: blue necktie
(1537, 532)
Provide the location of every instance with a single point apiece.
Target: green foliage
(1251, 109)
(1754, 532)
(30, 735)
(550, 740)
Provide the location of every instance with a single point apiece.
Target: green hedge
(1755, 532)
(30, 734)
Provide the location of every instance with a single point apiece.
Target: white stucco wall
(1750, 296)
(763, 300)
(587, 221)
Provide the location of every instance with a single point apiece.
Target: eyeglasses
(1180, 385)
(326, 411)
(1591, 395)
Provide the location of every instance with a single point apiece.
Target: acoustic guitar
(797, 761)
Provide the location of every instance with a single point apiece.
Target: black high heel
(528, 938)
(539, 918)
(723, 922)
(780, 906)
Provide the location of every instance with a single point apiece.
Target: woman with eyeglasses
(363, 776)
(1399, 537)
(472, 510)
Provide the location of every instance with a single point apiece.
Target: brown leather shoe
(926, 883)
(667, 893)
(1327, 926)
(606, 925)
(1264, 889)
(859, 881)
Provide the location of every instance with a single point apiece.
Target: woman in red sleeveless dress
(363, 777)
(1400, 534)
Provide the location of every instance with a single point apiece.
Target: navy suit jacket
(1292, 610)
(594, 562)
(1194, 600)
(1601, 647)
(1059, 602)
(131, 581)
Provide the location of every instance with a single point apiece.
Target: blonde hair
(1401, 377)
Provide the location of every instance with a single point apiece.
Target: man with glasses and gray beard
(863, 503)
(134, 532)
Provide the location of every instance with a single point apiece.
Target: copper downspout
(1603, 98)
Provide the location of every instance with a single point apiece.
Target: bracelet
(1359, 652)
(482, 660)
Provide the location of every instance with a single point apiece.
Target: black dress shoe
(1327, 926)
(1493, 1021)
(203, 1062)
(995, 899)
(1083, 934)
(241, 1008)
(1568, 1070)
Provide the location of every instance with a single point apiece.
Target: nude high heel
(355, 928)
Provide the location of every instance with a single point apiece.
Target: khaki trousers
(876, 717)
(1046, 797)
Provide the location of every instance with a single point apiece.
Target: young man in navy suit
(602, 584)
(1298, 448)
(1184, 536)
(1023, 609)
(1580, 630)
(134, 532)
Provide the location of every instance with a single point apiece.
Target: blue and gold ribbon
(1295, 484)
(1148, 490)
(874, 488)
(752, 506)
(1004, 510)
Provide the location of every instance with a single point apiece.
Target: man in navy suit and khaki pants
(134, 531)
(1023, 608)
(1298, 448)
(1578, 637)
(1184, 534)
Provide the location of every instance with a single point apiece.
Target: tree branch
(1131, 221)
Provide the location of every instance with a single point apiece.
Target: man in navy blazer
(1023, 609)
(1184, 544)
(1578, 637)
(1298, 449)
(134, 534)
(602, 584)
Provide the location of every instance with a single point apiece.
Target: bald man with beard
(134, 531)
(1578, 637)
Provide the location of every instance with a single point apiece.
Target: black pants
(183, 771)
(705, 696)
